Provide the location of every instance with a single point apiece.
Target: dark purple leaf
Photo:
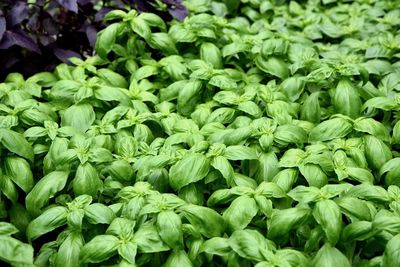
(8, 61)
(45, 40)
(142, 5)
(172, 2)
(91, 34)
(101, 13)
(64, 54)
(180, 13)
(2, 27)
(71, 5)
(40, 2)
(18, 13)
(85, 2)
(50, 26)
(18, 38)
(33, 22)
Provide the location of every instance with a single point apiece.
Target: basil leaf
(391, 256)
(99, 213)
(100, 248)
(178, 258)
(169, 227)
(19, 171)
(330, 129)
(86, 181)
(106, 40)
(190, 169)
(240, 153)
(15, 252)
(79, 116)
(16, 143)
(330, 256)
(240, 213)
(216, 246)
(376, 152)
(346, 99)
(207, 221)
(283, 221)
(47, 222)
(148, 239)
(128, 251)
(44, 189)
(250, 244)
(68, 253)
(327, 214)
(373, 127)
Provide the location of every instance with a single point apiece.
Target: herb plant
(252, 133)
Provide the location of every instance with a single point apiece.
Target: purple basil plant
(36, 36)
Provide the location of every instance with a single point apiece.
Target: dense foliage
(260, 133)
(36, 35)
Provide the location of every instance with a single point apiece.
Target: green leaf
(15, 252)
(48, 221)
(45, 189)
(19, 171)
(79, 116)
(396, 133)
(68, 253)
(372, 127)
(108, 93)
(391, 256)
(7, 229)
(314, 175)
(283, 221)
(221, 164)
(311, 109)
(359, 230)
(273, 65)
(304, 194)
(106, 39)
(240, 153)
(188, 96)
(16, 143)
(99, 213)
(99, 249)
(207, 221)
(329, 256)
(210, 53)
(148, 239)
(250, 244)
(330, 129)
(216, 246)
(240, 213)
(121, 227)
(190, 169)
(140, 27)
(355, 208)
(327, 214)
(169, 227)
(153, 20)
(286, 134)
(86, 181)
(346, 99)
(178, 258)
(223, 82)
(128, 251)
(250, 108)
(162, 41)
(293, 87)
(376, 152)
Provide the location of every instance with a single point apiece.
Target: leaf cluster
(253, 133)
